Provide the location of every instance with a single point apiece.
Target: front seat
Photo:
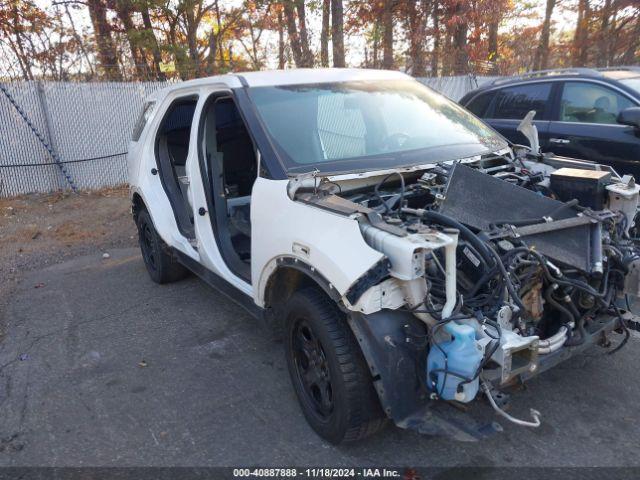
(602, 113)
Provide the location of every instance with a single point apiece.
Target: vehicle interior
(172, 149)
(231, 166)
(587, 103)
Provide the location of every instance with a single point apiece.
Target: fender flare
(295, 263)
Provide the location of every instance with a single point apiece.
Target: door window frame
(185, 230)
(227, 252)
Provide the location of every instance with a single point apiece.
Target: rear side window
(147, 108)
(478, 106)
(516, 102)
(590, 103)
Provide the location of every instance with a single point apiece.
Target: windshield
(632, 82)
(351, 126)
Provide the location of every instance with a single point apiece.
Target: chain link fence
(59, 135)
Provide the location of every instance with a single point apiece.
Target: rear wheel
(161, 264)
(328, 371)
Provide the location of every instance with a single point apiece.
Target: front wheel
(328, 371)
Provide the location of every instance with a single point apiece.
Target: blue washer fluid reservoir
(462, 357)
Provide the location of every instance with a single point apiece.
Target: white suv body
(340, 254)
(268, 186)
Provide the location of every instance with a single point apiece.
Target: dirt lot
(40, 230)
(37, 230)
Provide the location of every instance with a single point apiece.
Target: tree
(252, 21)
(337, 33)
(542, 52)
(130, 39)
(416, 14)
(435, 34)
(459, 29)
(581, 37)
(295, 10)
(605, 14)
(148, 37)
(124, 9)
(630, 56)
(324, 33)
(107, 54)
(387, 35)
(281, 46)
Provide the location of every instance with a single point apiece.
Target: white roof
(289, 77)
(317, 75)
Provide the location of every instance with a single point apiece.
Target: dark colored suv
(592, 114)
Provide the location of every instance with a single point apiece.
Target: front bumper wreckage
(393, 344)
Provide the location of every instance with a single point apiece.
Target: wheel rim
(312, 370)
(148, 244)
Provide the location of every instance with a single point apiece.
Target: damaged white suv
(410, 256)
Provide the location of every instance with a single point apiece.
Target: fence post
(47, 122)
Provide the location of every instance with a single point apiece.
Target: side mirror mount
(529, 130)
(630, 116)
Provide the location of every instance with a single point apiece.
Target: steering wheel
(396, 140)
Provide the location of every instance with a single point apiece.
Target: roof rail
(556, 71)
(630, 68)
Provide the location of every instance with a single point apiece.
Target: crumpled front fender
(394, 344)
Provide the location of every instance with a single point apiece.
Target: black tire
(161, 264)
(328, 372)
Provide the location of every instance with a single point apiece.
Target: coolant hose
(509, 284)
(549, 298)
(574, 340)
(469, 236)
(488, 256)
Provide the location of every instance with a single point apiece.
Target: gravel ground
(102, 367)
(39, 230)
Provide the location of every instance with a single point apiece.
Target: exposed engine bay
(507, 259)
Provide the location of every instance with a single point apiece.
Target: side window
(516, 102)
(478, 106)
(341, 129)
(147, 108)
(591, 103)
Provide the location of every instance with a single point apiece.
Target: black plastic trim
(220, 284)
(269, 161)
(371, 277)
(321, 280)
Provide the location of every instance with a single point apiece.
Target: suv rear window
(516, 102)
(142, 120)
